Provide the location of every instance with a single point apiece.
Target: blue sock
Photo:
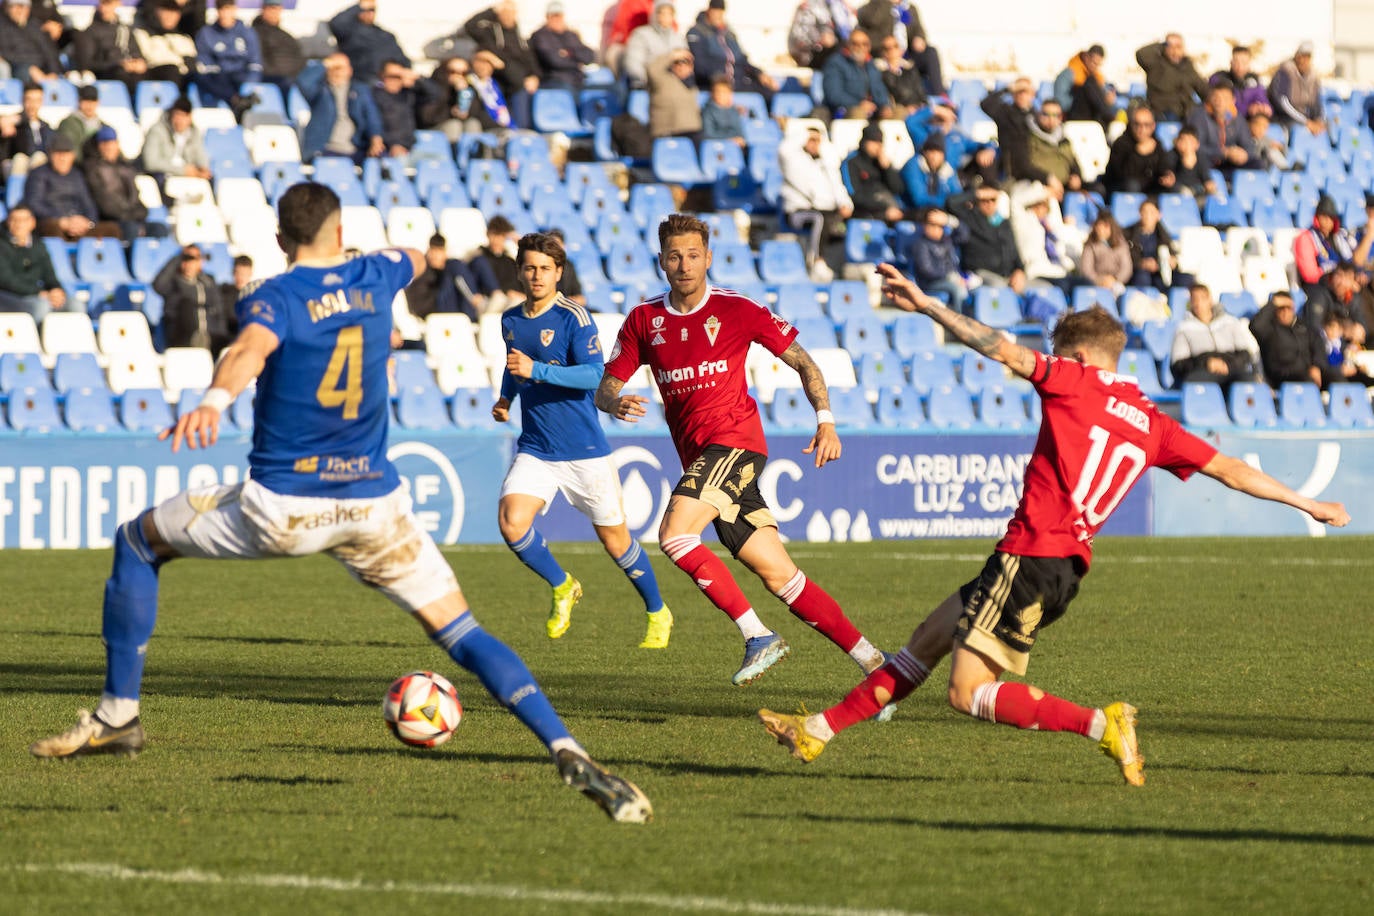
(503, 674)
(635, 562)
(533, 551)
(130, 610)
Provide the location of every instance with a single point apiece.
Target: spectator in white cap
(560, 50)
(1296, 92)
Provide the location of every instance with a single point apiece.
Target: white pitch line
(193, 876)
(820, 553)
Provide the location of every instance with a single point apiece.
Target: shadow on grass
(1137, 832)
(257, 779)
(244, 640)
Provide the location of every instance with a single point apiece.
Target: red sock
(813, 604)
(1014, 706)
(709, 572)
(862, 703)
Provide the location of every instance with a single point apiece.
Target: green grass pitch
(270, 785)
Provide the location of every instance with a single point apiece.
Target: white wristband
(217, 398)
(825, 416)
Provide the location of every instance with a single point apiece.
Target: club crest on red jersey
(712, 329)
(546, 336)
(657, 322)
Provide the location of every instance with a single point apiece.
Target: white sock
(566, 744)
(817, 727)
(750, 625)
(868, 656)
(116, 711)
(1099, 725)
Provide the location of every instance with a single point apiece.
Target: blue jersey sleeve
(256, 306)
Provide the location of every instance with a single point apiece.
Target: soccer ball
(422, 709)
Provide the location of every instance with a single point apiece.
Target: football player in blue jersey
(317, 339)
(553, 362)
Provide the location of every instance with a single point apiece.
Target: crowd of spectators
(984, 213)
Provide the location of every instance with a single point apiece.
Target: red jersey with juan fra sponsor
(1098, 436)
(698, 360)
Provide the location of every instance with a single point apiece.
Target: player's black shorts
(728, 479)
(1012, 598)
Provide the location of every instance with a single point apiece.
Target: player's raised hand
(1332, 514)
(631, 407)
(519, 365)
(825, 444)
(200, 425)
(500, 411)
(902, 292)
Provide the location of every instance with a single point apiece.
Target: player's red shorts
(1012, 598)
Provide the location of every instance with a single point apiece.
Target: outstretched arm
(242, 362)
(825, 443)
(974, 334)
(608, 398)
(1238, 475)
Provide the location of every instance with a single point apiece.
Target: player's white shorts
(591, 485)
(378, 539)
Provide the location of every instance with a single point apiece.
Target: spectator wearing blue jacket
(851, 84)
(928, 176)
(934, 261)
(227, 56)
(717, 52)
(367, 44)
(344, 120)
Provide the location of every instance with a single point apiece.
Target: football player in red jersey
(1099, 434)
(695, 338)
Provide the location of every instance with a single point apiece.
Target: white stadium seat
(1198, 245)
(1090, 147)
(127, 372)
(198, 224)
(1262, 276)
(449, 335)
(363, 228)
(845, 134)
(410, 227)
(125, 334)
(187, 367)
(237, 196)
(407, 325)
(68, 332)
(465, 230)
(489, 340)
(274, 143)
(18, 333)
(897, 143)
(464, 371)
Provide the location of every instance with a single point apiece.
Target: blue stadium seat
(912, 334)
(268, 101)
(1297, 187)
(441, 197)
(847, 297)
(900, 239)
(951, 407)
(977, 371)
(815, 332)
(792, 105)
(217, 261)
(763, 160)
(482, 173)
(997, 307)
(1178, 211)
(14, 190)
(380, 169)
(422, 407)
(34, 410)
(1081, 208)
(472, 147)
(91, 410)
(1158, 338)
(147, 256)
(791, 410)
(650, 203)
(1223, 211)
(159, 94)
(1271, 216)
(1241, 304)
(77, 370)
(1003, 407)
(851, 408)
(497, 198)
(1252, 405)
(754, 104)
(398, 192)
(603, 148)
(188, 399)
(865, 240)
(796, 301)
(550, 206)
(101, 259)
(22, 370)
(878, 370)
(615, 226)
(737, 191)
(597, 202)
(762, 132)
(225, 143)
(674, 161)
(581, 177)
(435, 171)
(637, 105)
(1251, 186)
(733, 265)
(1350, 408)
(114, 95)
(631, 262)
(721, 157)
(598, 102)
(1300, 406)
(536, 175)
(1141, 366)
(412, 370)
(276, 177)
(782, 261)
(60, 253)
(1204, 405)
(555, 111)
(12, 92)
(864, 332)
(900, 408)
(431, 145)
(931, 369)
(145, 409)
(1126, 207)
(59, 93)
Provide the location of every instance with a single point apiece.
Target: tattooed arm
(973, 334)
(608, 398)
(826, 443)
